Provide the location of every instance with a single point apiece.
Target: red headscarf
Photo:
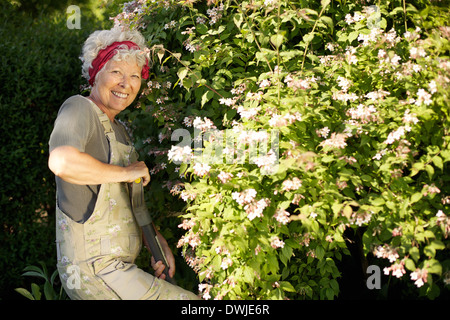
(105, 54)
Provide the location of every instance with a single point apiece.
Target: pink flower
(227, 101)
(264, 84)
(410, 117)
(363, 113)
(397, 232)
(432, 86)
(397, 269)
(291, 184)
(193, 239)
(276, 242)
(255, 209)
(226, 263)
(415, 53)
(430, 189)
(247, 113)
(324, 132)
(201, 169)
(337, 140)
(187, 224)
(397, 134)
(204, 124)
(224, 177)
(344, 83)
(420, 277)
(177, 153)
(266, 162)
(188, 195)
(282, 216)
(244, 197)
(423, 97)
(386, 252)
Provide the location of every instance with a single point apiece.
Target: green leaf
(429, 251)
(238, 18)
(330, 293)
(434, 266)
(36, 291)
(201, 28)
(416, 197)
(320, 252)
(25, 293)
(287, 286)
(277, 40)
(430, 170)
(182, 72)
(34, 274)
(352, 36)
(378, 202)
(438, 162)
(308, 37)
(48, 291)
(206, 97)
(414, 253)
(437, 245)
(328, 21)
(409, 264)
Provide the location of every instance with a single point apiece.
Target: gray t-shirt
(78, 125)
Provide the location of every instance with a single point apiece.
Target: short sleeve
(74, 124)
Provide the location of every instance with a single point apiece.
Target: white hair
(100, 39)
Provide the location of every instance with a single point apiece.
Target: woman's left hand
(159, 266)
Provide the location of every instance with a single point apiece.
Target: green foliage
(48, 287)
(357, 99)
(35, 8)
(39, 70)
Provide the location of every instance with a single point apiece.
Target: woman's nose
(125, 81)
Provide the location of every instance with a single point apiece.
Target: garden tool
(144, 220)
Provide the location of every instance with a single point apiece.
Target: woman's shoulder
(77, 103)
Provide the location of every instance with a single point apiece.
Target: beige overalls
(96, 259)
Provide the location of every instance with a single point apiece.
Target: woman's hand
(159, 266)
(138, 170)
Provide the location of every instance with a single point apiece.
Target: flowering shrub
(305, 119)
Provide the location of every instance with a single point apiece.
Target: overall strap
(106, 123)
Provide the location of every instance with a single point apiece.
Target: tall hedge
(358, 93)
(39, 70)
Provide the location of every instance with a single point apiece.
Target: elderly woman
(93, 159)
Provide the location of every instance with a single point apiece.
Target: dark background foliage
(39, 70)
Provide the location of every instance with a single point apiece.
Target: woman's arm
(77, 167)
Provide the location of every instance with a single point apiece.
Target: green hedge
(39, 70)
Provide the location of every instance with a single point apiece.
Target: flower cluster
(397, 269)
(254, 209)
(386, 252)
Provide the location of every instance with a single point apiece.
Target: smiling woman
(93, 160)
(116, 86)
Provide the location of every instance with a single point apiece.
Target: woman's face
(117, 86)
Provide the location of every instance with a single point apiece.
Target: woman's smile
(120, 94)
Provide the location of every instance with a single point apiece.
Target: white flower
(264, 83)
(180, 154)
(423, 97)
(201, 169)
(276, 242)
